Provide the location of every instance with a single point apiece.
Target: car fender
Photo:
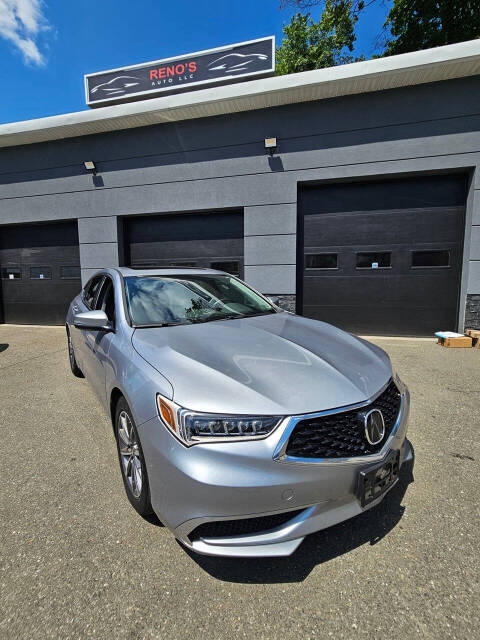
(135, 378)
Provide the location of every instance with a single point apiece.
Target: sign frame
(200, 84)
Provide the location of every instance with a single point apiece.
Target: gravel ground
(78, 562)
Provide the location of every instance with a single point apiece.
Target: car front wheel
(132, 461)
(71, 357)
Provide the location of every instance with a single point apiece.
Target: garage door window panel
(374, 260)
(40, 273)
(11, 273)
(432, 258)
(321, 261)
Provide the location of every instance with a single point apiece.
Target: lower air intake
(245, 526)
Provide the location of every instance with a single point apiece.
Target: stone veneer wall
(472, 311)
(284, 301)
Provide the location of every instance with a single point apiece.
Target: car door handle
(75, 308)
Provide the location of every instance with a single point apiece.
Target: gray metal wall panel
(476, 202)
(253, 190)
(219, 193)
(475, 244)
(99, 255)
(87, 273)
(101, 229)
(408, 105)
(474, 277)
(270, 249)
(272, 278)
(294, 155)
(270, 218)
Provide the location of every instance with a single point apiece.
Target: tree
(411, 25)
(421, 24)
(356, 5)
(314, 45)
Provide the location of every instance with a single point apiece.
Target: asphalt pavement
(76, 561)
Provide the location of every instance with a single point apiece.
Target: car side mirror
(92, 320)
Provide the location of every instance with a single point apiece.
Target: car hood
(280, 364)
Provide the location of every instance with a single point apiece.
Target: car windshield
(188, 299)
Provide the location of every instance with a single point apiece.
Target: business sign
(255, 58)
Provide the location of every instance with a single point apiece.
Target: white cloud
(21, 22)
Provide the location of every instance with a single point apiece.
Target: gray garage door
(187, 240)
(383, 257)
(40, 272)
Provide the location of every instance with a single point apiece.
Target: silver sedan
(242, 426)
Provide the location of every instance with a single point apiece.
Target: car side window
(106, 299)
(91, 290)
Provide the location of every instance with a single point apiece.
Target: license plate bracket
(374, 481)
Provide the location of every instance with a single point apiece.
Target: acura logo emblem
(374, 426)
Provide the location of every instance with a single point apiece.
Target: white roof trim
(431, 65)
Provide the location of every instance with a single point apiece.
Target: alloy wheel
(130, 454)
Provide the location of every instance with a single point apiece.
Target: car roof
(158, 271)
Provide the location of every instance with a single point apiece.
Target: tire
(77, 372)
(131, 459)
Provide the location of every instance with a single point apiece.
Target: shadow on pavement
(152, 518)
(369, 527)
(3, 347)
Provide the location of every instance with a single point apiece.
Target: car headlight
(192, 427)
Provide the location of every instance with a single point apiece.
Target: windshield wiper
(160, 324)
(232, 316)
(258, 313)
(172, 324)
(216, 317)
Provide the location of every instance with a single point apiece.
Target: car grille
(342, 435)
(245, 526)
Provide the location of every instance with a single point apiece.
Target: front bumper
(230, 481)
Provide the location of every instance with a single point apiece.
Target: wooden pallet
(475, 335)
(462, 342)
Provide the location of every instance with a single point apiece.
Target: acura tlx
(242, 426)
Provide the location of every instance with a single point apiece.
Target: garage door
(40, 272)
(213, 240)
(383, 257)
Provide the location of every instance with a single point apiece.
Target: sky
(46, 46)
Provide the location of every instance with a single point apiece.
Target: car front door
(97, 342)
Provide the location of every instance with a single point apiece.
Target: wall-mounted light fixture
(271, 145)
(90, 166)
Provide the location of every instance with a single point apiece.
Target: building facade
(366, 214)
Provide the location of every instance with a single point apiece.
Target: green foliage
(314, 45)
(421, 24)
(411, 25)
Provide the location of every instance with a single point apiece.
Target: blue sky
(47, 46)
